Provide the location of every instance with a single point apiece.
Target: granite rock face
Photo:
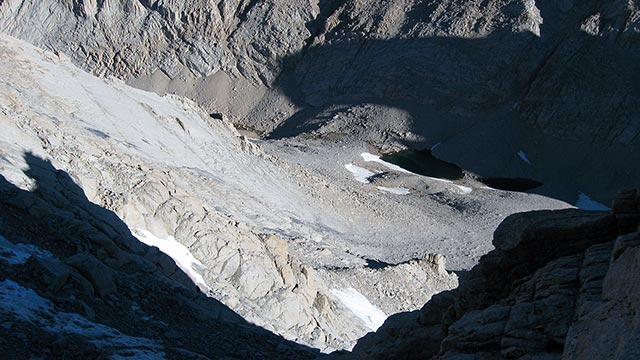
(559, 285)
(480, 82)
(75, 283)
(608, 328)
(131, 38)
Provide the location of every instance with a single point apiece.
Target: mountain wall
(276, 228)
(549, 77)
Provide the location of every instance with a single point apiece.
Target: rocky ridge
(234, 258)
(559, 285)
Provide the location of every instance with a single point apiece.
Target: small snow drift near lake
(395, 190)
(585, 203)
(178, 252)
(524, 157)
(402, 191)
(361, 174)
(374, 158)
(372, 317)
(464, 189)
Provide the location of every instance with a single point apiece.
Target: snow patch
(28, 306)
(361, 174)
(585, 203)
(524, 157)
(178, 252)
(23, 303)
(17, 254)
(374, 158)
(395, 190)
(464, 189)
(372, 317)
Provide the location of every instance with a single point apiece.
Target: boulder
(53, 274)
(99, 274)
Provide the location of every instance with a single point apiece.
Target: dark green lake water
(424, 163)
(511, 184)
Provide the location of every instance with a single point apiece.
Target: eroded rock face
(133, 38)
(559, 285)
(608, 327)
(201, 49)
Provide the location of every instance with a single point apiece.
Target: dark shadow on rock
(548, 267)
(102, 272)
(303, 121)
(563, 91)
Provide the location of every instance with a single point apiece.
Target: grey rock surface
(557, 286)
(607, 328)
(49, 307)
(100, 275)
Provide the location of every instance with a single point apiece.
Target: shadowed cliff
(560, 284)
(563, 92)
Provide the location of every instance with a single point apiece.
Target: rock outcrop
(560, 284)
(133, 38)
(75, 283)
(232, 261)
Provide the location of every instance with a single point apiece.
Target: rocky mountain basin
(252, 194)
(277, 236)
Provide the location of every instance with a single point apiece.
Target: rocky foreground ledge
(560, 284)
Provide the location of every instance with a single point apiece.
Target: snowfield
(179, 253)
(372, 317)
(586, 203)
